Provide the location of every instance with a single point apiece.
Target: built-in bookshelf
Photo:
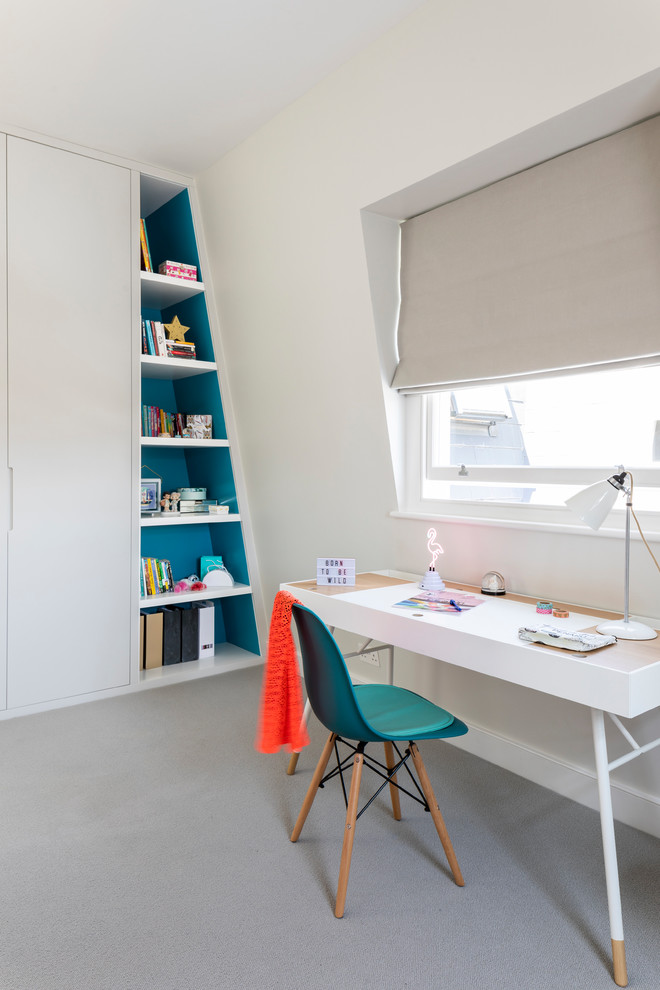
(189, 387)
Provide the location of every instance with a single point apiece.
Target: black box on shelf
(171, 634)
(189, 633)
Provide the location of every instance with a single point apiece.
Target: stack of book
(180, 349)
(155, 576)
(196, 505)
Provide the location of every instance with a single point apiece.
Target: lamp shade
(593, 504)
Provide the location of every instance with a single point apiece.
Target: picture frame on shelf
(200, 426)
(149, 496)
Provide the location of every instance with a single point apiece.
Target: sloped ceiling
(175, 83)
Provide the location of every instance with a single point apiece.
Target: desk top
(623, 679)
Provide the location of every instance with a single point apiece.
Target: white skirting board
(630, 806)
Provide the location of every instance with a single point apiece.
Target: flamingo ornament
(432, 580)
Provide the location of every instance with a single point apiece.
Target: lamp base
(432, 581)
(626, 630)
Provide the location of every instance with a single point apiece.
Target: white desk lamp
(592, 505)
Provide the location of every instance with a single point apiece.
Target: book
(151, 343)
(144, 248)
(159, 331)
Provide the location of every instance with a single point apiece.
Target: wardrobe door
(69, 357)
(5, 484)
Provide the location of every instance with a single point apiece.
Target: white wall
(283, 229)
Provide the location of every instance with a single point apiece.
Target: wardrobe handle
(10, 521)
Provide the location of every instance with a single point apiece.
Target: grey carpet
(145, 847)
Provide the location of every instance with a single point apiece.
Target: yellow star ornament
(175, 330)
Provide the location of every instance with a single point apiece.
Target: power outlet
(373, 658)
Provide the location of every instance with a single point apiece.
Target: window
(532, 444)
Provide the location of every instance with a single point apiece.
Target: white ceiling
(176, 83)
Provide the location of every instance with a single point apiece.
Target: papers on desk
(441, 601)
(565, 639)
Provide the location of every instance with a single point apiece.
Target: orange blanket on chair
(281, 709)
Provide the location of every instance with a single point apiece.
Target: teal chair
(367, 713)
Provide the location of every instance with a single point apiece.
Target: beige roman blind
(556, 268)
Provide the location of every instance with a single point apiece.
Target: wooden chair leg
(435, 814)
(394, 791)
(349, 834)
(314, 786)
(293, 763)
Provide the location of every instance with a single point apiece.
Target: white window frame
(417, 440)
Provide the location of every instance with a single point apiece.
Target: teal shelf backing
(187, 467)
(192, 313)
(234, 622)
(239, 622)
(171, 234)
(199, 394)
(184, 548)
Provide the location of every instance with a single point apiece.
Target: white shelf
(181, 442)
(175, 598)
(188, 518)
(165, 290)
(227, 657)
(172, 368)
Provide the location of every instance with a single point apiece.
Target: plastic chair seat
(398, 714)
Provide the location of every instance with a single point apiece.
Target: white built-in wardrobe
(73, 381)
(67, 423)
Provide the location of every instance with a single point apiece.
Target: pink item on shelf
(177, 269)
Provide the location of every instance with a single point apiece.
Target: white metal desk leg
(609, 848)
(293, 762)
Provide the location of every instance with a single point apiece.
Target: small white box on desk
(335, 570)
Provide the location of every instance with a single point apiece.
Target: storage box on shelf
(189, 387)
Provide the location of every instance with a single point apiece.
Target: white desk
(621, 680)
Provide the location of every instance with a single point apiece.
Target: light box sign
(335, 570)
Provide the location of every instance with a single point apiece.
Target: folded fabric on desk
(566, 639)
